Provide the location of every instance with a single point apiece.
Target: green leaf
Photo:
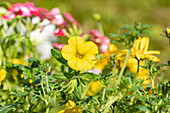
(143, 108)
(33, 62)
(6, 4)
(57, 55)
(59, 76)
(114, 35)
(6, 108)
(37, 81)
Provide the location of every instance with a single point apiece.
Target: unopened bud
(167, 32)
(96, 17)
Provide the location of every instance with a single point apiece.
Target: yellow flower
(2, 75)
(71, 108)
(80, 54)
(22, 75)
(30, 81)
(95, 88)
(140, 50)
(112, 49)
(101, 64)
(17, 61)
(14, 74)
(143, 74)
(132, 64)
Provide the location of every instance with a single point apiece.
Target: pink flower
(95, 71)
(60, 32)
(70, 18)
(101, 41)
(9, 17)
(34, 10)
(54, 16)
(43, 13)
(55, 11)
(95, 33)
(28, 9)
(59, 46)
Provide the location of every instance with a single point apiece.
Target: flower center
(79, 56)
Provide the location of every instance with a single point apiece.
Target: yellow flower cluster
(71, 108)
(80, 54)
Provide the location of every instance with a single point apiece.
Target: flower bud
(167, 32)
(96, 17)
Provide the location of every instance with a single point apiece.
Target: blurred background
(117, 13)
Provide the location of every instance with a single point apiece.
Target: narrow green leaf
(6, 108)
(6, 4)
(59, 76)
(57, 55)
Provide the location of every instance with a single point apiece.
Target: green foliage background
(115, 14)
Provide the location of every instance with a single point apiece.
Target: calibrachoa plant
(87, 72)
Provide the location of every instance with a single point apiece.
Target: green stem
(103, 96)
(33, 106)
(152, 80)
(84, 93)
(115, 68)
(19, 40)
(3, 30)
(47, 86)
(138, 66)
(43, 89)
(9, 85)
(123, 67)
(47, 109)
(107, 107)
(100, 28)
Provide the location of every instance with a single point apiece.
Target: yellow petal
(70, 104)
(88, 48)
(62, 111)
(95, 88)
(87, 64)
(112, 48)
(79, 64)
(138, 55)
(152, 58)
(16, 61)
(152, 52)
(144, 44)
(72, 63)
(76, 42)
(90, 58)
(68, 52)
(136, 44)
(2, 74)
(132, 64)
(102, 63)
